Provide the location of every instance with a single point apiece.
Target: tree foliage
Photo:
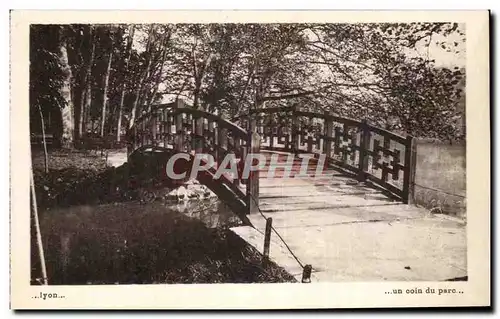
(383, 72)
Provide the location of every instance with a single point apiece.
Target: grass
(441, 178)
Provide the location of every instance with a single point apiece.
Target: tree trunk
(196, 94)
(105, 92)
(68, 123)
(87, 92)
(199, 74)
(160, 74)
(133, 113)
(124, 88)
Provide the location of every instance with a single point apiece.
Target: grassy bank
(75, 178)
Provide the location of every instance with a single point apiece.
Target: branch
(288, 96)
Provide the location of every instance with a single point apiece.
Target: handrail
(200, 113)
(324, 116)
(156, 108)
(195, 112)
(401, 139)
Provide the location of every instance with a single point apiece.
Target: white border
(468, 163)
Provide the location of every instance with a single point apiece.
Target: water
(131, 242)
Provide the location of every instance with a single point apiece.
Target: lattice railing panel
(370, 152)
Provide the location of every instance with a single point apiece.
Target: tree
(143, 74)
(374, 71)
(106, 83)
(128, 53)
(67, 110)
(383, 72)
(87, 91)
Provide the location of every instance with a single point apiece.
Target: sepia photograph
(242, 152)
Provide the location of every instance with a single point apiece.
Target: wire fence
(278, 234)
(439, 191)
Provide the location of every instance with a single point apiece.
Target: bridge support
(364, 146)
(253, 178)
(179, 137)
(411, 165)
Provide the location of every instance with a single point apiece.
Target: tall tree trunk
(67, 115)
(81, 115)
(133, 113)
(160, 73)
(124, 88)
(87, 92)
(199, 74)
(196, 93)
(105, 93)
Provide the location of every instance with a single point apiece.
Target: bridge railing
(371, 153)
(184, 129)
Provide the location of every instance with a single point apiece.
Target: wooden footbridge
(375, 157)
(365, 179)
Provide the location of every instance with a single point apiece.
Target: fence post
(411, 165)
(253, 178)
(364, 146)
(179, 138)
(267, 237)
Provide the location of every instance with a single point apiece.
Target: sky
(443, 58)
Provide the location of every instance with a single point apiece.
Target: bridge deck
(349, 231)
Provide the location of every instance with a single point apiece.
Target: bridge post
(253, 178)
(222, 144)
(198, 147)
(179, 137)
(295, 128)
(327, 144)
(364, 146)
(154, 127)
(410, 164)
